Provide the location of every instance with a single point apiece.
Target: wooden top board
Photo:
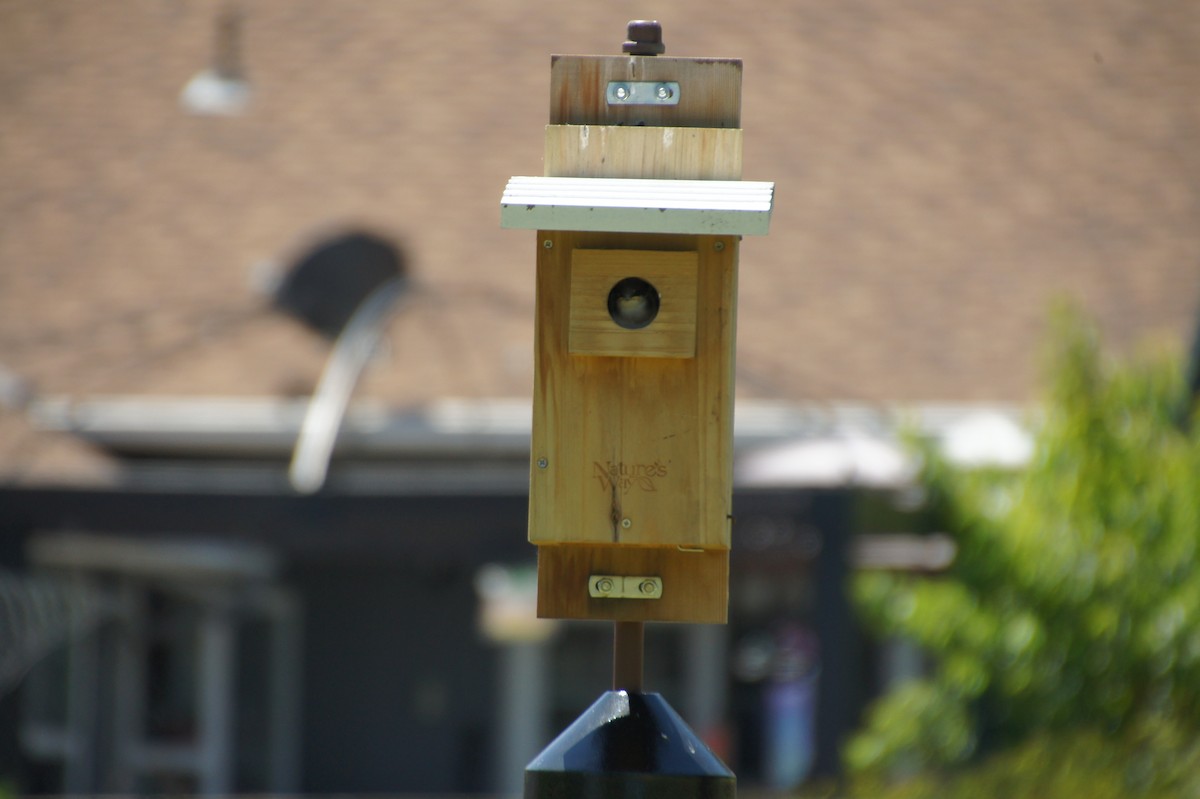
(710, 91)
(617, 151)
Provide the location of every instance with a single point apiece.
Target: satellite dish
(328, 283)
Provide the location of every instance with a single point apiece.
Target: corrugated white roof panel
(710, 207)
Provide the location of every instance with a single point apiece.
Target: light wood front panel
(633, 450)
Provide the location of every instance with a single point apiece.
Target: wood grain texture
(637, 450)
(695, 584)
(633, 456)
(592, 331)
(710, 91)
(608, 151)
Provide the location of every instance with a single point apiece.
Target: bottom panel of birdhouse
(623, 583)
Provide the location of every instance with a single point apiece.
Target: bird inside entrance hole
(633, 303)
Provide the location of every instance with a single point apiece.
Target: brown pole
(628, 649)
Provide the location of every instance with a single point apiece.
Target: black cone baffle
(628, 745)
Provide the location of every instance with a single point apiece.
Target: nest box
(639, 217)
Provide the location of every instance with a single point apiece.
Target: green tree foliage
(1074, 600)
(1162, 763)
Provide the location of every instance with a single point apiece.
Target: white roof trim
(706, 207)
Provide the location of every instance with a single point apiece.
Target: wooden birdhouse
(639, 217)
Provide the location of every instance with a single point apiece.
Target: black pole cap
(644, 37)
(628, 746)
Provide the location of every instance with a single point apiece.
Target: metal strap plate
(611, 586)
(642, 92)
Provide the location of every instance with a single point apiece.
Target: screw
(543, 463)
(626, 523)
(645, 38)
(622, 92)
(664, 92)
(719, 246)
(548, 244)
(647, 587)
(604, 585)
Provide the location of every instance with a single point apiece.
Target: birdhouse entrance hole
(633, 303)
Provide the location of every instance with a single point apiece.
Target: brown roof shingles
(942, 173)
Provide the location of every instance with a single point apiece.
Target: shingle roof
(943, 172)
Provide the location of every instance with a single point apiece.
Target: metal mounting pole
(628, 655)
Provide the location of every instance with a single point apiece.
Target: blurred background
(266, 358)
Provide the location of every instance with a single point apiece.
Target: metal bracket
(611, 586)
(643, 92)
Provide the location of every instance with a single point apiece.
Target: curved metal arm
(327, 408)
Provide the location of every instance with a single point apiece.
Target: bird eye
(633, 303)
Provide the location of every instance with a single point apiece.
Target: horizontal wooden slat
(705, 207)
(643, 153)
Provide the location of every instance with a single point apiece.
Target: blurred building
(205, 208)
